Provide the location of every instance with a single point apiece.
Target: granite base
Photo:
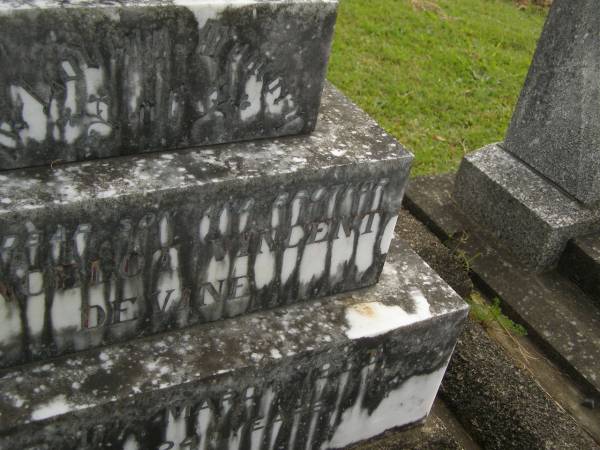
(528, 214)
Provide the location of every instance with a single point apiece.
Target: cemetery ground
(443, 77)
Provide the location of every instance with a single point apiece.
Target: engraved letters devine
(75, 287)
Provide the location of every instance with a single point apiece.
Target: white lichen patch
(374, 318)
(55, 407)
(408, 403)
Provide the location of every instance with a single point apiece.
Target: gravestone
(556, 124)
(541, 186)
(323, 374)
(87, 79)
(225, 296)
(103, 251)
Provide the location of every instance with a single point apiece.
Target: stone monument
(101, 78)
(541, 186)
(214, 289)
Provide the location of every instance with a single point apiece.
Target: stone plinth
(558, 315)
(89, 79)
(556, 124)
(526, 212)
(541, 187)
(101, 252)
(322, 374)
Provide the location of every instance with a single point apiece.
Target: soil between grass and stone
(500, 404)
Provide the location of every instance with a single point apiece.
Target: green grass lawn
(442, 77)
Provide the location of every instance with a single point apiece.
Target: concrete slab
(557, 314)
(502, 405)
(495, 364)
(323, 374)
(581, 263)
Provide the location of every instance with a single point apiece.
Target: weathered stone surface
(556, 125)
(431, 435)
(529, 215)
(501, 404)
(557, 314)
(100, 252)
(322, 374)
(581, 263)
(89, 79)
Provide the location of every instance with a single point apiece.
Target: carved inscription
(330, 406)
(105, 81)
(81, 109)
(75, 287)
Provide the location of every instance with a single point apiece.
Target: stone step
(323, 374)
(558, 316)
(101, 252)
(90, 79)
(581, 263)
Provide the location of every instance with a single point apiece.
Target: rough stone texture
(528, 214)
(101, 252)
(500, 404)
(557, 314)
(318, 375)
(89, 79)
(556, 124)
(581, 263)
(432, 435)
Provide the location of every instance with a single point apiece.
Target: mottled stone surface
(89, 79)
(101, 252)
(501, 404)
(323, 374)
(528, 214)
(581, 263)
(556, 124)
(558, 315)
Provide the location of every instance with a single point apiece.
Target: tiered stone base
(101, 252)
(323, 374)
(558, 315)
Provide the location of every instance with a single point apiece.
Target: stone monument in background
(524, 214)
(184, 297)
(541, 186)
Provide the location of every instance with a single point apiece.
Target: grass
(490, 314)
(442, 77)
